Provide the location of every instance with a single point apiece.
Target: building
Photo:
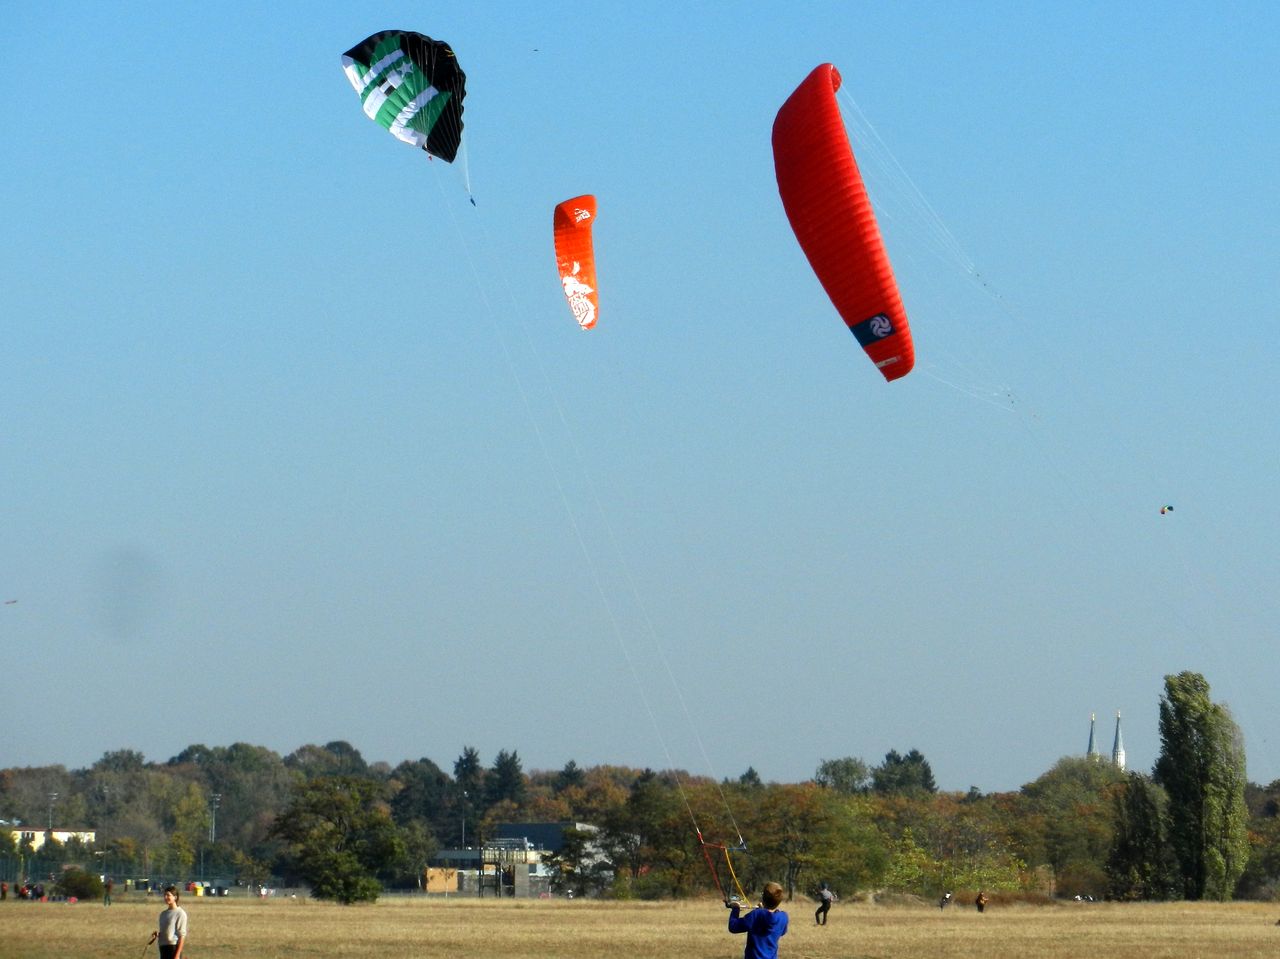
(36, 837)
(1117, 748)
(511, 863)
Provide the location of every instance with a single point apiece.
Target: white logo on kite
(580, 214)
(881, 326)
(578, 294)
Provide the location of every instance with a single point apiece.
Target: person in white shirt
(171, 933)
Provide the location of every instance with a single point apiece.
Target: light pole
(53, 798)
(215, 802)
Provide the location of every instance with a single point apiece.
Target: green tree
(849, 775)
(912, 869)
(422, 792)
(341, 836)
(569, 777)
(74, 881)
(505, 779)
(1067, 822)
(337, 758)
(578, 867)
(468, 780)
(649, 840)
(418, 847)
(1202, 768)
(252, 785)
(910, 774)
(1142, 864)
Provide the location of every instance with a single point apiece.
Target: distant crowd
(27, 890)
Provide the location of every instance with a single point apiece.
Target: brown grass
(558, 929)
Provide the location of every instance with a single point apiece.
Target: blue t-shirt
(763, 929)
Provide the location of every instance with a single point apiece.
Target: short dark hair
(772, 896)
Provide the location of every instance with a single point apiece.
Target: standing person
(981, 901)
(172, 930)
(106, 893)
(826, 897)
(764, 925)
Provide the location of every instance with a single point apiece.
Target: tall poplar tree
(1202, 769)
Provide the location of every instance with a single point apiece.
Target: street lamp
(215, 802)
(53, 798)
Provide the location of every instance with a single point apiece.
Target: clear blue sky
(299, 445)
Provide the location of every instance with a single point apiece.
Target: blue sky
(299, 445)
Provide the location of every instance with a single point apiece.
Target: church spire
(1117, 751)
(1092, 751)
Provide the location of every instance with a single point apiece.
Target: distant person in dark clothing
(825, 898)
(981, 902)
(944, 901)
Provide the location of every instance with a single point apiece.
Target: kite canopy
(830, 212)
(412, 86)
(576, 258)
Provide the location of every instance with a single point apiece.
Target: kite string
(650, 629)
(907, 215)
(885, 169)
(566, 503)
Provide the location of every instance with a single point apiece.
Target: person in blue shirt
(764, 925)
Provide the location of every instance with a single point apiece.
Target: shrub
(74, 881)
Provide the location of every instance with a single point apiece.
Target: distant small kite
(1165, 509)
(10, 602)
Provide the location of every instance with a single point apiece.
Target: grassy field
(559, 929)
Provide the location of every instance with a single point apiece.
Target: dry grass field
(559, 929)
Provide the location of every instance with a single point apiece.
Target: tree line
(1194, 828)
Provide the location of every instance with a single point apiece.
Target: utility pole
(53, 798)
